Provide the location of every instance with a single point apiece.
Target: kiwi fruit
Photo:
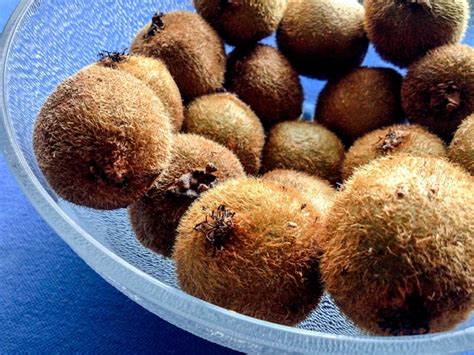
(191, 49)
(102, 138)
(251, 247)
(461, 150)
(242, 22)
(438, 90)
(227, 120)
(323, 38)
(361, 101)
(397, 139)
(306, 147)
(399, 251)
(404, 30)
(155, 74)
(318, 191)
(264, 79)
(197, 165)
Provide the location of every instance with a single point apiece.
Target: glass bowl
(46, 41)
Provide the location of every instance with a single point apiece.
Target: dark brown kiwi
(323, 38)
(264, 79)
(242, 22)
(363, 100)
(438, 91)
(399, 250)
(155, 74)
(191, 49)
(251, 246)
(197, 165)
(404, 30)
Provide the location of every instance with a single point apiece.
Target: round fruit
(413, 140)
(198, 165)
(438, 91)
(227, 120)
(362, 101)
(242, 22)
(155, 74)
(306, 147)
(319, 192)
(399, 251)
(323, 38)
(102, 138)
(251, 247)
(263, 78)
(461, 150)
(190, 48)
(404, 30)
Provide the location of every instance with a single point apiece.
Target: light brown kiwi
(250, 246)
(399, 256)
(461, 150)
(197, 165)
(262, 77)
(242, 22)
(191, 49)
(102, 138)
(155, 74)
(323, 38)
(227, 120)
(397, 139)
(363, 100)
(306, 147)
(438, 90)
(403, 31)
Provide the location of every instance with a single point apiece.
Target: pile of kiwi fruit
(262, 209)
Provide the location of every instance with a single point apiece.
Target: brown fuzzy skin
(102, 138)
(306, 147)
(397, 139)
(156, 215)
(399, 246)
(461, 150)
(157, 76)
(362, 101)
(422, 95)
(318, 191)
(242, 22)
(227, 120)
(267, 264)
(191, 49)
(403, 31)
(264, 79)
(323, 38)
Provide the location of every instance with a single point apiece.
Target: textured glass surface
(49, 40)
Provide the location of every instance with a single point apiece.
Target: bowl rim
(144, 289)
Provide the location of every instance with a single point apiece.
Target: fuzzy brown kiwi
(461, 150)
(264, 79)
(242, 22)
(404, 30)
(399, 251)
(102, 138)
(318, 191)
(251, 246)
(304, 146)
(361, 101)
(397, 139)
(197, 165)
(438, 91)
(323, 38)
(229, 121)
(155, 74)
(191, 49)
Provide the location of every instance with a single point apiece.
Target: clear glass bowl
(46, 41)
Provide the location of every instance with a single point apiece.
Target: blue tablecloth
(52, 302)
